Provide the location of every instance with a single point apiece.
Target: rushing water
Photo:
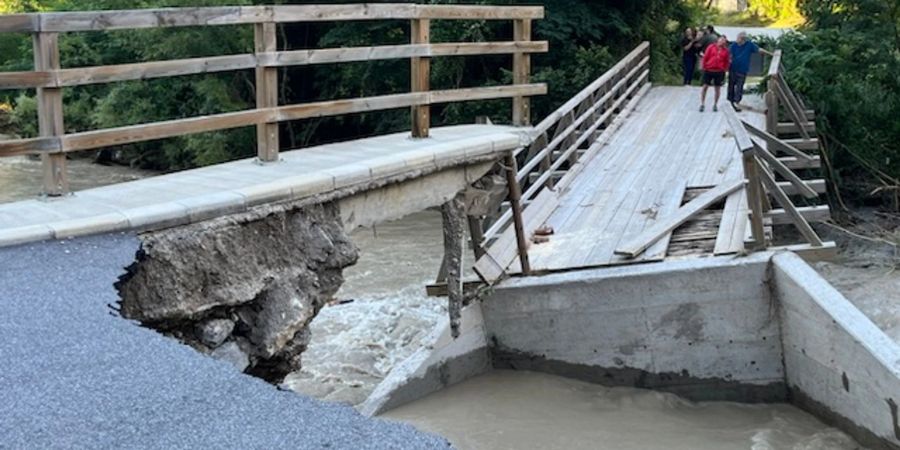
(355, 345)
(20, 176)
(523, 410)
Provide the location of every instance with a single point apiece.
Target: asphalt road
(73, 374)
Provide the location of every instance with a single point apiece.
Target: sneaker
(737, 107)
(702, 108)
(715, 108)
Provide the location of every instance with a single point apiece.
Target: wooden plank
(827, 252)
(31, 146)
(236, 15)
(515, 200)
(821, 213)
(50, 114)
(159, 130)
(775, 144)
(566, 127)
(267, 142)
(781, 197)
(793, 111)
(791, 128)
(420, 33)
(191, 66)
(796, 163)
(521, 73)
(803, 144)
(787, 173)
(730, 236)
(659, 229)
(817, 185)
(569, 151)
(501, 254)
(19, 23)
(775, 65)
(585, 93)
(429, 50)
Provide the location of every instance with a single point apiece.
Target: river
(388, 316)
(20, 176)
(355, 345)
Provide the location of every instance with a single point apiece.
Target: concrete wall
(704, 329)
(839, 365)
(446, 362)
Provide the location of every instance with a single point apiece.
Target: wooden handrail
(571, 125)
(64, 22)
(49, 78)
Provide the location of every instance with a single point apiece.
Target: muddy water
(20, 177)
(522, 410)
(354, 346)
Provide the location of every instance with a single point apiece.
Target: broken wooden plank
(659, 229)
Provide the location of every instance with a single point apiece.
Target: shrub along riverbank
(846, 63)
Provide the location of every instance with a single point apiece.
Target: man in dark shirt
(741, 52)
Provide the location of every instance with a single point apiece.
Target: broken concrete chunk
(214, 332)
(283, 309)
(270, 270)
(232, 354)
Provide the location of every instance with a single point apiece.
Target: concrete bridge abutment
(761, 328)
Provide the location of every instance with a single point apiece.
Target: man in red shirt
(716, 62)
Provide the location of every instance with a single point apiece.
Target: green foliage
(586, 38)
(847, 64)
(781, 12)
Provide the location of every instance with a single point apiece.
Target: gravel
(76, 375)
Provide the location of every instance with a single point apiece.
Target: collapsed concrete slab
(251, 282)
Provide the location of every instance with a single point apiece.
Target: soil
(866, 270)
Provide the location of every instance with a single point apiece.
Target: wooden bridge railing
(781, 95)
(49, 78)
(758, 150)
(539, 171)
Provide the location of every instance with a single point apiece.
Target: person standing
(716, 61)
(689, 54)
(741, 52)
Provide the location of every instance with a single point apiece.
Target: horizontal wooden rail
(49, 78)
(193, 66)
(159, 130)
(556, 140)
(61, 22)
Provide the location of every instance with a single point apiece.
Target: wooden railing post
(754, 199)
(522, 73)
(266, 41)
(420, 30)
(515, 201)
(772, 108)
(50, 114)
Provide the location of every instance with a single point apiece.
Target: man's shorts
(713, 78)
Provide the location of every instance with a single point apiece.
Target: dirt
(866, 270)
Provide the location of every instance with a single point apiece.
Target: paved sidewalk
(75, 375)
(199, 194)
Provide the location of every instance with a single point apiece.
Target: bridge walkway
(199, 194)
(665, 153)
